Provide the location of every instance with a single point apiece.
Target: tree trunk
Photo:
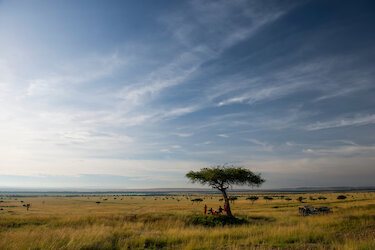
(229, 212)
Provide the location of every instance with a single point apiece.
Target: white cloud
(263, 145)
(257, 142)
(343, 151)
(276, 84)
(223, 135)
(183, 134)
(165, 150)
(357, 120)
(216, 18)
(82, 71)
(261, 94)
(175, 112)
(174, 73)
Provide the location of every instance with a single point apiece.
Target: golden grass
(139, 222)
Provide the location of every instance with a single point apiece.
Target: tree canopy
(223, 177)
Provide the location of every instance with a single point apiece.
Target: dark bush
(267, 198)
(341, 197)
(252, 198)
(197, 200)
(300, 199)
(233, 198)
(215, 220)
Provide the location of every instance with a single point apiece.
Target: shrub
(267, 198)
(252, 198)
(300, 199)
(341, 197)
(197, 200)
(215, 220)
(232, 199)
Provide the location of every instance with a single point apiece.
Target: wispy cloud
(216, 17)
(183, 134)
(261, 94)
(354, 120)
(257, 142)
(83, 71)
(174, 73)
(202, 50)
(223, 135)
(278, 83)
(343, 151)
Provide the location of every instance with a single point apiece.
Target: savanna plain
(172, 221)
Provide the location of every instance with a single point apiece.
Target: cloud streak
(356, 120)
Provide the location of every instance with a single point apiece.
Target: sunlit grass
(131, 222)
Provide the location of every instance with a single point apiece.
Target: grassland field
(136, 221)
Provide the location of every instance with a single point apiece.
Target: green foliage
(215, 220)
(222, 177)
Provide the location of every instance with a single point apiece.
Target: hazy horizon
(134, 94)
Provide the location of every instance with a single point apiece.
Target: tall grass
(146, 223)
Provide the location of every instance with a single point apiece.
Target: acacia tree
(224, 177)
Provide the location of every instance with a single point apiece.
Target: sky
(134, 94)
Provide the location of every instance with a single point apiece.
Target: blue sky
(133, 94)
